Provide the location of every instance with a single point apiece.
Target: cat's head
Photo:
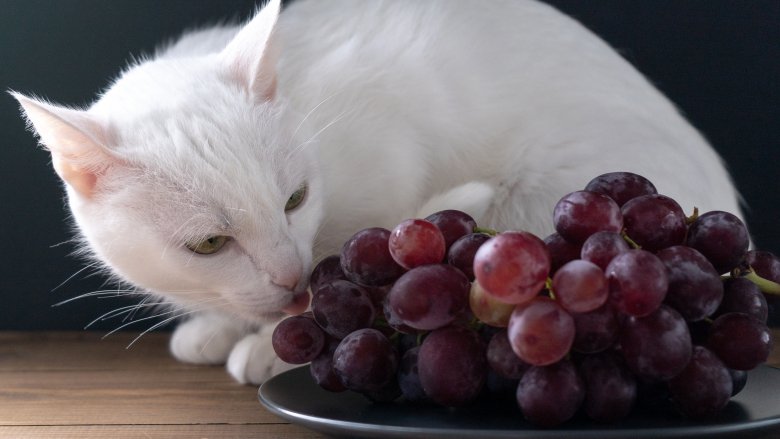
(185, 181)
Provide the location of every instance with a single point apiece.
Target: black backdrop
(718, 60)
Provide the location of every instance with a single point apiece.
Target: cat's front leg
(206, 338)
(253, 360)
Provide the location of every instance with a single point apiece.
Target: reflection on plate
(294, 396)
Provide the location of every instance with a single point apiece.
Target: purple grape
(703, 388)
(452, 365)
(637, 282)
(561, 251)
(740, 341)
(621, 186)
(365, 361)
(738, 380)
(596, 330)
(541, 332)
(721, 237)
(327, 270)
(765, 264)
(297, 340)
(453, 224)
(409, 376)
(366, 260)
(654, 222)
(415, 242)
(550, 395)
(502, 359)
(742, 295)
(461, 252)
(695, 288)
(341, 307)
(430, 296)
(321, 368)
(601, 247)
(580, 214)
(580, 286)
(656, 347)
(611, 388)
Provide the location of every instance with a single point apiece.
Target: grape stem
(689, 220)
(765, 285)
(485, 230)
(630, 241)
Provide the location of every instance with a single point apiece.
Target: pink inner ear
(75, 140)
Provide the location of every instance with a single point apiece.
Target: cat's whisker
(164, 322)
(143, 304)
(98, 293)
(129, 309)
(316, 107)
(314, 136)
(86, 267)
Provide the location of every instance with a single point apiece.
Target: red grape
(580, 214)
(366, 259)
(341, 307)
(461, 253)
(452, 365)
(656, 347)
(488, 309)
(541, 331)
(550, 395)
(721, 237)
(703, 388)
(453, 224)
(365, 361)
(611, 388)
(561, 251)
(297, 340)
(326, 270)
(502, 359)
(416, 242)
(580, 286)
(621, 186)
(637, 282)
(512, 266)
(740, 341)
(742, 295)
(321, 368)
(695, 289)
(601, 247)
(654, 222)
(596, 330)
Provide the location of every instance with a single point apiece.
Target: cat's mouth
(299, 303)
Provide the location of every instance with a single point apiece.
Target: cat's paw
(206, 339)
(473, 198)
(253, 360)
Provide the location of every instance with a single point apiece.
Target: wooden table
(75, 385)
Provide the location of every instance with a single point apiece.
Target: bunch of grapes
(629, 302)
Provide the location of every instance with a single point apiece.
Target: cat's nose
(286, 279)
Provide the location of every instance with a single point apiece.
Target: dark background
(718, 60)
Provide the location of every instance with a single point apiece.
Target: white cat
(215, 174)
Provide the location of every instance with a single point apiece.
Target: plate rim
(363, 429)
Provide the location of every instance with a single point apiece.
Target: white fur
(387, 109)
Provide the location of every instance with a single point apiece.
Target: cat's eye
(208, 246)
(296, 198)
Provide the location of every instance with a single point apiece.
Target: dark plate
(294, 396)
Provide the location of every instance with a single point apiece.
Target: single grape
(721, 237)
(327, 270)
(580, 286)
(550, 395)
(654, 222)
(658, 346)
(341, 307)
(461, 253)
(742, 295)
(321, 368)
(395, 322)
(416, 242)
(561, 251)
(365, 361)
(740, 341)
(297, 340)
(409, 376)
(621, 186)
(738, 380)
(765, 264)
(703, 388)
(430, 296)
(595, 331)
(452, 365)
(453, 224)
(541, 332)
(580, 214)
(488, 309)
(601, 247)
(695, 289)
(366, 260)
(637, 282)
(512, 266)
(502, 359)
(611, 388)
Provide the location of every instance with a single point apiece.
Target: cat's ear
(250, 58)
(77, 142)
